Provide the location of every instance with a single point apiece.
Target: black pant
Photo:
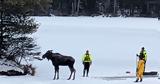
(144, 65)
(86, 68)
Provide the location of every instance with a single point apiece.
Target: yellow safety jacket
(87, 58)
(145, 54)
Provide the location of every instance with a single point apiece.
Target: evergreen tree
(15, 28)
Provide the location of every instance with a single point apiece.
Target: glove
(137, 70)
(90, 63)
(137, 55)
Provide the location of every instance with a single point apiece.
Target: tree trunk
(78, 5)
(115, 5)
(1, 28)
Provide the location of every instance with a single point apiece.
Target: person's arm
(145, 55)
(83, 59)
(91, 58)
(137, 55)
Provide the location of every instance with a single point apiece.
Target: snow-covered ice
(113, 42)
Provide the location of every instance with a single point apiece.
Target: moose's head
(48, 54)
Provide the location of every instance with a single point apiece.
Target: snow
(9, 65)
(113, 43)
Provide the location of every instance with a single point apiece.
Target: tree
(133, 5)
(103, 6)
(1, 30)
(15, 28)
(38, 7)
(75, 7)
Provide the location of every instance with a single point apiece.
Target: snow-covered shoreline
(9, 65)
(113, 42)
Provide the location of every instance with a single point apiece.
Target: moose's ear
(50, 50)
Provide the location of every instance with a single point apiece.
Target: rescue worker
(143, 54)
(140, 69)
(87, 61)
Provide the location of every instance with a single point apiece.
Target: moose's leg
(54, 74)
(58, 73)
(70, 76)
(74, 72)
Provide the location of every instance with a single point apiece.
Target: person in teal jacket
(87, 61)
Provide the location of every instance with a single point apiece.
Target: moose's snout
(43, 57)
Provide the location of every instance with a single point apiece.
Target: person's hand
(90, 63)
(137, 55)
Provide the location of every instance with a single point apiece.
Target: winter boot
(136, 80)
(87, 75)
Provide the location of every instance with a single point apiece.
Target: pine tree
(15, 30)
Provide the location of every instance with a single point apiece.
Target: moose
(60, 60)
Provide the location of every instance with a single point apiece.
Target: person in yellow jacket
(143, 51)
(143, 54)
(140, 69)
(87, 61)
